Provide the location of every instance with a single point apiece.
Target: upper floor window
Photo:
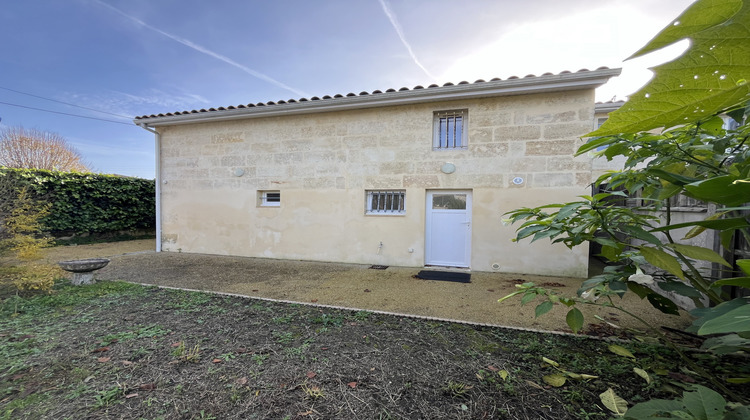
(449, 130)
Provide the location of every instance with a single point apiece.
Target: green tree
(692, 155)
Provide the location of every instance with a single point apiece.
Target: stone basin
(83, 270)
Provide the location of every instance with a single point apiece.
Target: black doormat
(444, 276)
(378, 267)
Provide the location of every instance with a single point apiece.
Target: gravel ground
(353, 286)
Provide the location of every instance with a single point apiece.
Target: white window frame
(269, 198)
(445, 130)
(382, 203)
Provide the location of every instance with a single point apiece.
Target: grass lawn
(118, 350)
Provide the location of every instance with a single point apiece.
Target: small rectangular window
(386, 202)
(449, 130)
(269, 198)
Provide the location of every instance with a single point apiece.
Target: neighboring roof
(607, 107)
(548, 82)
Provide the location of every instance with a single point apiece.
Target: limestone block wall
(323, 163)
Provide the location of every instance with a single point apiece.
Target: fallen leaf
(127, 362)
(129, 396)
(352, 385)
(241, 350)
(241, 381)
(492, 368)
(324, 348)
(534, 384)
(17, 377)
(314, 300)
(367, 290)
(217, 360)
(177, 344)
(147, 387)
(490, 290)
(103, 359)
(306, 413)
(554, 379)
(311, 374)
(101, 349)
(255, 290)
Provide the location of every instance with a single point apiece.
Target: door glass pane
(449, 201)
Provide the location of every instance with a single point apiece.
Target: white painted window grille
(386, 202)
(269, 198)
(449, 130)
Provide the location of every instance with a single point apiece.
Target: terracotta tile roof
(448, 88)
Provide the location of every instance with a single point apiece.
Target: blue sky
(126, 58)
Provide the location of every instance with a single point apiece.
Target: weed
(283, 337)
(80, 390)
(457, 389)
(184, 354)
(189, 301)
(259, 358)
(313, 392)
(150, 331)
(362, 316)
(227, 356)
(329, 320)
(301, 350)
(108, 396)
(283, 319)
(206, 416)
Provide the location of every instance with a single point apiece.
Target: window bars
(386, 202)
(450, 130)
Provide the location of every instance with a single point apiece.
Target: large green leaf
(744, 265)
(652, 408)
(704, 403)
(700, 253)
(574, 320)
(661, 259)
(710, 76)
(735, 321)
(719, 224)
(702, 15)
(704, 315)
(723, 190)
(733, 281)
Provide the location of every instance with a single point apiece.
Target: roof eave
(529, 85)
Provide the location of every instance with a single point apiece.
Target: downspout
(157, 181)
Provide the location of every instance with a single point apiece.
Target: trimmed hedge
(83, 202)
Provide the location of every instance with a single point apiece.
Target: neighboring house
(409, 177)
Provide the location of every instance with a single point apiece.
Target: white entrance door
(448, 228)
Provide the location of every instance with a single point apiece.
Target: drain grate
(378, 267)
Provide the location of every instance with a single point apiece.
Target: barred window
(269, 198)
(385, 202)
(449, 130)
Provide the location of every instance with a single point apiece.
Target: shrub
(82, 202)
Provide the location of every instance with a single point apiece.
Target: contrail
(397, 27)
(208, 52)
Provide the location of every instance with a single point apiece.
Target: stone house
(409, 177)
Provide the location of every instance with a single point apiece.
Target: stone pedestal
(83, 270)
